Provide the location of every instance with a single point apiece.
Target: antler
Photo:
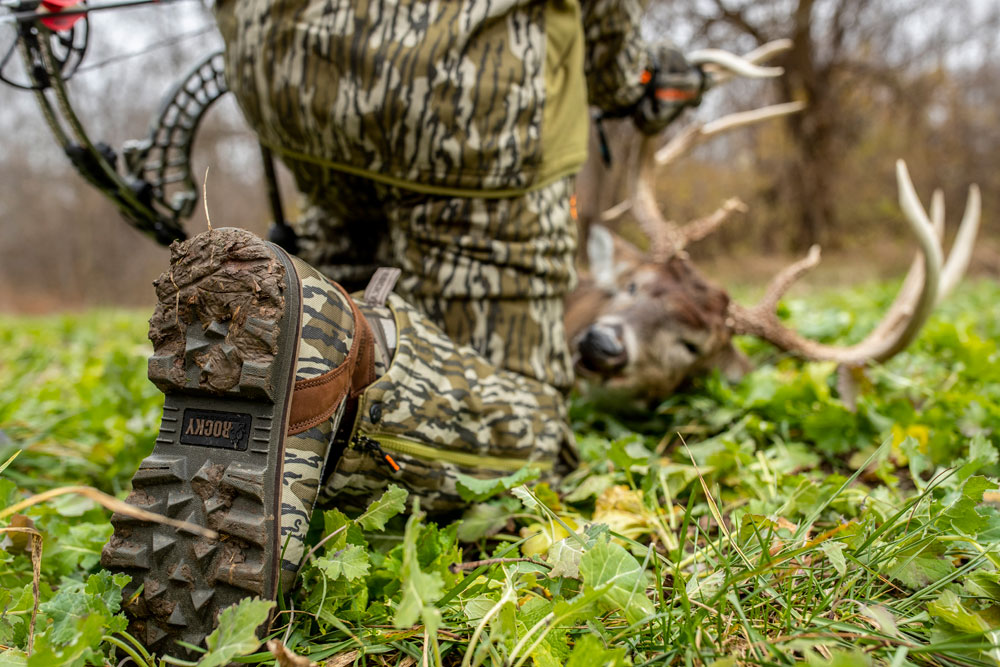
(926, 284)
(666, 238)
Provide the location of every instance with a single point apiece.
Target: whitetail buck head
(647, 321)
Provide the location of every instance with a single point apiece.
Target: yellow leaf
(621, 509)
(541, 536)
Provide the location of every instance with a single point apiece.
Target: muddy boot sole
(225, 335)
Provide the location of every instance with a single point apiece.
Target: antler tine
(733, 63)
(905, 319)
(937, 213)
(699, 132)
(961, 249)
(643, 200)
(699, 229)
(787, 277)
(768, 50)
(762, 53)
(902, 305)
(954, 267)
(616, 211)
(665, 238)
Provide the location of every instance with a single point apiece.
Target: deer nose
(602, 349)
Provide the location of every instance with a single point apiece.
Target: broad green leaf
(949, 608)
(543, 656)
(392, 502)
(473, 489)
(343, 531)
(983, 584)
(350, 563)
(526, 497)
(8, 621)
(705, 588)
(76, 545)
(476, 608)
(236, 633)
(420, 589)
(79, 649)
(834, 552)
(580, 606)
(962, 514)
(982, 450)
(629, 452)
(756, 526)
(608, 564)
(13, 658)
(564, 556)
(976, 486)
(67, 607)
(592, 486)
(482, 520)
(921, 571)
(883, 618)
(99, 597)
(108, 588)
(839, 658)
(590, 651)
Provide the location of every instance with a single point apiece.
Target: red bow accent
(55, 21)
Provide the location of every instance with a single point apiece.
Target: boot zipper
(385, 445)
(372, 446)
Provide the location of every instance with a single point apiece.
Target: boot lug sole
(217, 463)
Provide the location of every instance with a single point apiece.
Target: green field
(761, 522)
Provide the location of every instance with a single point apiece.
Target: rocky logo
(208, 428)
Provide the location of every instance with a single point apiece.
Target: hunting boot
(258, 356)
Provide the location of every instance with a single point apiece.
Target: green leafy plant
(756, 522)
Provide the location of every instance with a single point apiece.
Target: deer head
(649, 320)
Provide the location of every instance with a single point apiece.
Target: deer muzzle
(602, 349)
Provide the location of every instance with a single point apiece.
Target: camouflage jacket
(454, 97)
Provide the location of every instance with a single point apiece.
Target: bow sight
(149, 180)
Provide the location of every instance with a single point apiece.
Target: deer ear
(601, 256)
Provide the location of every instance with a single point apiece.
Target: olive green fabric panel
(566, 121)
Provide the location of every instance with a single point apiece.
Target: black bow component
(149, 180)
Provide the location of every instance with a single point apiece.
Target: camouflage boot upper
(440, 409)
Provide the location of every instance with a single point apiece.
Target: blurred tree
(61, 242)
(847, 54)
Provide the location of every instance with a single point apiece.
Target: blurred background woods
(917, 79)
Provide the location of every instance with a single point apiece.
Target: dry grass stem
(35, 538)
(110, 503)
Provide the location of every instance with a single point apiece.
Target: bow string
(148, 180)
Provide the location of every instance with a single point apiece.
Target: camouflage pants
(439, 409)
(441, 138)
(480, 346)
(435, 409)
(492, 273)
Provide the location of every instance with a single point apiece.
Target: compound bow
(152, 185)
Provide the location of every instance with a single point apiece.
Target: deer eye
(691, 347)
(632, 288)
